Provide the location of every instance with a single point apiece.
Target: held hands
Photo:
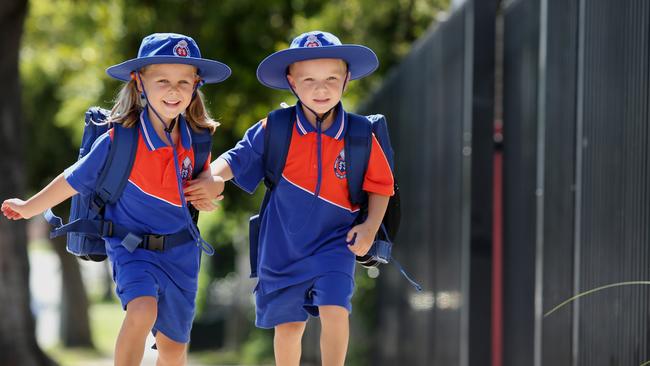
(204, 192)
(16, 209)
(362, 236)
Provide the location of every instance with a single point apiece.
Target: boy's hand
(363, 236)
(206, 205)
(204, 192)
(16, 209)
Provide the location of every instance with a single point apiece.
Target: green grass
(73, 356)
(217, 357)
(225, 358)
(40, 245)
(106, 319)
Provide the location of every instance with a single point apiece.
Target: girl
(157, 288)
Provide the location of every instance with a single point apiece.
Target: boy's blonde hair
(128, 107)
(345, 65)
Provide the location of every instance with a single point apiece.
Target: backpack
(358, 142)
(86, 225)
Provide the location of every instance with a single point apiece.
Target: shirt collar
(335, 131)
(153, 141)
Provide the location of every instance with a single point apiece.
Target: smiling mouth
(172, 104)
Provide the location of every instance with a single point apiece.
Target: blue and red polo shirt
(303, 235)
(150, 203)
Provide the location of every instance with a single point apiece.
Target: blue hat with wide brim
(272, 71)
(171, 48)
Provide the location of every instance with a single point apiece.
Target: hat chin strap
(196, 235)
(148, 105)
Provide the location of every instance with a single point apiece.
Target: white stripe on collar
(146, 133)
(302, 129)
(338, 134)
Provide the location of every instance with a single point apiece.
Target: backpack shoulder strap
(358, 142)
(380, 129)
(202, 145)
(118, 166)
(277, 137)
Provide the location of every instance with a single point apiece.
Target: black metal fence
(576, 146)
(576, 99)
(439, 107)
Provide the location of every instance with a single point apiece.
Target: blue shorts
(297, 302)
(175, 305)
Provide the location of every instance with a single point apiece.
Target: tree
(75, 323)
(62, 67)
(17, 339)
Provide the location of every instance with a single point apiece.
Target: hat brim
(209, 70)
(271, 72)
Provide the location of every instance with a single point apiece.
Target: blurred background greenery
(67, 45)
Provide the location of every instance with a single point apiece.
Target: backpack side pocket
(253, 238)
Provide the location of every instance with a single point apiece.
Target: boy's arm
(221, 168)
(54, 193)
(365, 232)
(244, 159)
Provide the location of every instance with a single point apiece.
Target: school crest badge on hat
(312, 41)
(181, 49)
(171, 48)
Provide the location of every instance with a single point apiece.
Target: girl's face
(169, 88)
(318, 83)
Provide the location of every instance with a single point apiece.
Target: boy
(309, 235)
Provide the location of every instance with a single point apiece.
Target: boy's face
(169, 88)
(318, 83)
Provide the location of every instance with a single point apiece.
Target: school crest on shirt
(312, 41)
(339, 165)
(186, 169)
(181, 49)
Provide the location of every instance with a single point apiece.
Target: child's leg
(330, 298)
(335, 332)
(284, 311)
(141, 314)
(287, 343)
(170, 352)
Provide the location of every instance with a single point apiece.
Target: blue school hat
(170, 48)
(272, 71)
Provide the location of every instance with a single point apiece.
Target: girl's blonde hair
(128, 107)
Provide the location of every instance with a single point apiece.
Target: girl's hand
(203, 191)
(363, 236)
(16, 209)
(206, 205)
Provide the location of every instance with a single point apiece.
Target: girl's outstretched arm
(54, 193)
